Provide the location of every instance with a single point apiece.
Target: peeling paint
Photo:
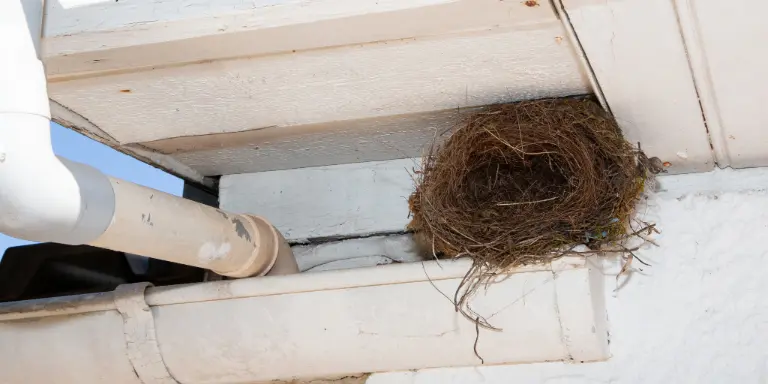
(240, 229)
(210, 252)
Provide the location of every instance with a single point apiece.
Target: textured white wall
(698, 315)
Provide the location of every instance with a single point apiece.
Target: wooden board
(645, 76)
(725, 45)
(354, 82)
(214, 88)
(90, 37)
(351, 141)
(359, 103)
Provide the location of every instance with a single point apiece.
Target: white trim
(702, 79)
(119, 36)
(645, 76)
(375, 80)
(68, 118)
(728, 59)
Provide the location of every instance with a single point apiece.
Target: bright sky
(77, 147)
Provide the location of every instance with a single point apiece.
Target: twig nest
(518, 183)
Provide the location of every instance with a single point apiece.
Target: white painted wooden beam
(725, 43)
(339, 142)
(645, 76)
(332, 82)
(325, 82)
(72, 120)
(322, 86)
(84, 37)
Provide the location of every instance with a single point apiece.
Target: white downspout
(47, 198)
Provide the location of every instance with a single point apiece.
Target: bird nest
(523, 183)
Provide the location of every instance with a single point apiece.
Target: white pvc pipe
(46, 198)
(151, 223)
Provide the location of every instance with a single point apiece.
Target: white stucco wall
(698, 315)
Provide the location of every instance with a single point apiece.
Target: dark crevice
(330, 239)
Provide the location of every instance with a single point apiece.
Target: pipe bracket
(140, 338)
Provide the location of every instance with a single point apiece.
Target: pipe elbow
(42, 197)
(46, 198)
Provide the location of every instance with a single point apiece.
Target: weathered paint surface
(718, 34)
(185, 74)
(295, 84)
(645, 76)
(88, 39)
(308, 87)
(275, 148)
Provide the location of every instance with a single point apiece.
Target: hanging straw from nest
(522, 183)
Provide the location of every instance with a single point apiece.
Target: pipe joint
(46, 198)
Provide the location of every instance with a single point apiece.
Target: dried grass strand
(523, 183)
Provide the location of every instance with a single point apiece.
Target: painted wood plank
(144, 17)
(733, 91)
(645, 76)
(352, 141)
(87, 37)
(349, 199)
(374, 80)
(72, 120)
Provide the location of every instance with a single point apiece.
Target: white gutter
(295, 328)
(47, 198)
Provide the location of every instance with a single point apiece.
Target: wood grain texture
(297, 84)
(145, 18)
(348, 199)
(72, 120)
(374, 80)
(645, 76)
(352, 141)
(725, 42)
(138, 34)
